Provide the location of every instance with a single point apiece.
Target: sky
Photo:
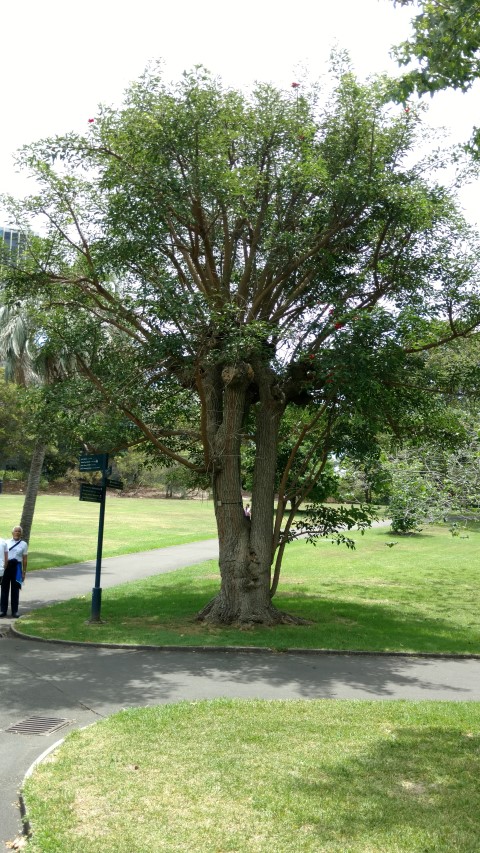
(59, 60)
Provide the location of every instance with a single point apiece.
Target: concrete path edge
(250, 649)
(27, 830)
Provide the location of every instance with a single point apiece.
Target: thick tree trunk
(245, 545)
(31, 493)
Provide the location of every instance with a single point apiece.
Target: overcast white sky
(58, 60)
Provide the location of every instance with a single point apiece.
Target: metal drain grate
(38, 726)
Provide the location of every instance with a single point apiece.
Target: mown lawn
(286, 776)
(420, 595)
(65, 529)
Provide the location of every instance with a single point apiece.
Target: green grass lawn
(230, 776)
(420, 595)
(65, 530)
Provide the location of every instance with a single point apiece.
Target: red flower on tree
(91, 120)
(339, 325)
(295, 85)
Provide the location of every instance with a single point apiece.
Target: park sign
(92, 493)
(96, 493)
(113, 484)
(93, 461)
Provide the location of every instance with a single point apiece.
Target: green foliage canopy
(444, 49)
(445, 43)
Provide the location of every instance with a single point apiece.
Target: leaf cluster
(329, 521)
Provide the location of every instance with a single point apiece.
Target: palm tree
(27, 363)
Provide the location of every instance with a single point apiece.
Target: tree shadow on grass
(139, 613)
(414, 535)
(336, 623)
(415, 789)
(53, 560)
(44, 678)
(372, 626)
(104, 679)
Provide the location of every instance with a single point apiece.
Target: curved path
(82, 684)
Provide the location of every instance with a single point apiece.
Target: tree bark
(31, 493)
(245, 545)
(233, 528)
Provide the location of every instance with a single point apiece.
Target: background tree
(216, 260)
(17, 355)
(444, 49)
(364, 479)
(414, 497)
(58, 417)
(432, 484)
(432, 474)
(15, 443)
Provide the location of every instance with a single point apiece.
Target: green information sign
(114, 484)
(93, 461)
(89, 492)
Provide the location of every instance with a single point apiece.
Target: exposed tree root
(215, 613)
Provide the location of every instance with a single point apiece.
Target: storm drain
(38, 726)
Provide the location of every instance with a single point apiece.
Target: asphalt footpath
(71, 686)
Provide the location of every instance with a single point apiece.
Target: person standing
(4, 550)
(15, 571)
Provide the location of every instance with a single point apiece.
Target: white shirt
(16, 553)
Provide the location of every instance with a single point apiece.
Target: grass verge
(420, 595)
(236, 777)
(65, 530)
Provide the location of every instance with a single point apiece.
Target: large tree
(221, 261)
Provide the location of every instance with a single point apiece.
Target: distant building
(14, 240)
